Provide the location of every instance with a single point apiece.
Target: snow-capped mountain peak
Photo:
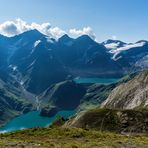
(116, 47)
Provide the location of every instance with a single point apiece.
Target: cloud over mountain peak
(15, 27)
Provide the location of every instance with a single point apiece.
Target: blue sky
(126, 20)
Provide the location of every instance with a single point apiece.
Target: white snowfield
(112, 45)
(115, 50)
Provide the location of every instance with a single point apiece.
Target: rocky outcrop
(127, 121)
(98, 93)
(130, 95)
(95, 95)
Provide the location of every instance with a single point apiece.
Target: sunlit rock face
(130, 95)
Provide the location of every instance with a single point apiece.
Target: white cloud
(114, 37)
(8, 28)
(86, 30)
(57, 32)
(11, 28)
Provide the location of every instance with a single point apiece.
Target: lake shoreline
(32, 120)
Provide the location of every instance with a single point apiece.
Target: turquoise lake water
(32, 119)
(95, 80)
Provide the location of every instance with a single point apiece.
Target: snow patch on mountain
(50, 40)
(32, 63)
(22, 83)
(37, 43)
(117, 51)
(14, 68)
(112, 45)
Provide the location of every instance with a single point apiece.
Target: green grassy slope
(71, 138)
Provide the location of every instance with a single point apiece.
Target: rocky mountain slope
(122, 121)
(11, 102)
(68, 95)
(125, 110)
(43, 61)
(130, 95)
(131, 56)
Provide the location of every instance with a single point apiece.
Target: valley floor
(70, 138)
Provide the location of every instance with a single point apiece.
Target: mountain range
(37, 68)
(39, 61)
